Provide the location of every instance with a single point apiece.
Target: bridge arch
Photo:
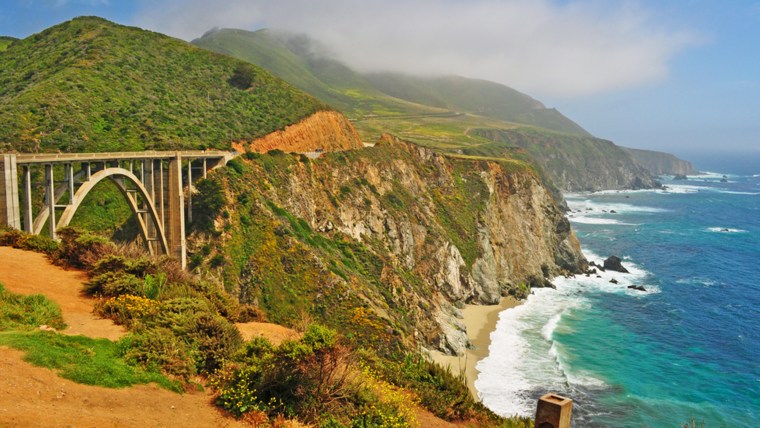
(120, 176)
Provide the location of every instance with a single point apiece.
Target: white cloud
(541, 47)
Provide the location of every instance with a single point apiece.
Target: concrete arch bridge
(152, 182)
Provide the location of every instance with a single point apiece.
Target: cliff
(572, 163)
(385, 242)
(659, 163)
(322, 131)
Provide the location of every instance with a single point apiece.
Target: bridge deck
(27, 158)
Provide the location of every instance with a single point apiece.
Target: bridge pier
(9, 209)
(175, 220)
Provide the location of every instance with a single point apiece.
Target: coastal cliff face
(322, 131)
(397, 232)
(660, 163)
(573, 163)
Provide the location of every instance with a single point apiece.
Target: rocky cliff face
(574, 163)
(322, 131)
(440, 231)
(660, 163)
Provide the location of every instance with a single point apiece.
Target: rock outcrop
(573, 163)
(324, 131)
(659, 163)
(447, 230)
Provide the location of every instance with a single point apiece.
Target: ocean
(687, 347)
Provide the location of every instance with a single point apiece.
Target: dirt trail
(36, 397)
(26, 272)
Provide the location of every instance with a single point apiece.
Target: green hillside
(92, 85)
(294, 59)
(5, 41)
(306, 64)
(456, 115)
(475, 96)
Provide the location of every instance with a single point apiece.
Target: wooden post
(553, 411)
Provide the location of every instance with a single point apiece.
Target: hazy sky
(680, 76)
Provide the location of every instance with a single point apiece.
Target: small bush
(113, 284)
(82, 249)
(128, 310)
(158, 349)
(303, 378)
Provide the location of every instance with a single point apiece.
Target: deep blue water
(687, 347)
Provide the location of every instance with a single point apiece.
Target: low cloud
(544, 48)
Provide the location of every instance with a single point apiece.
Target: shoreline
(480, 321)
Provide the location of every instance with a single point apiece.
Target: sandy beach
(480, 321)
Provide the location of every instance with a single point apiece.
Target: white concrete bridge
(152, 182)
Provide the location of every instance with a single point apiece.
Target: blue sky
(678, 76)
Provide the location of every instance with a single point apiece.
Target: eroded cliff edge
(391, 239)
(322, 131)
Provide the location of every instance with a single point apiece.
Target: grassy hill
(5, 41)
(460, 116)
(91, 85)
(308, 65)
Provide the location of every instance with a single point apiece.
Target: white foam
(732, 192)
(725, 230)
(596, 220)
(597, 207)
(523, 355)
(681, 189)
(548, 329)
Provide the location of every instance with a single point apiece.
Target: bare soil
(26, 272)
(36, 397)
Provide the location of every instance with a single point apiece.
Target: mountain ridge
(92, 85)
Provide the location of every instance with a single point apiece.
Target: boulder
(614, 263)
(637, 287)
(680, 177)
(614, 281)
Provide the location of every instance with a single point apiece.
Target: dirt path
(36, 397)
(26, 272)
(33, 396)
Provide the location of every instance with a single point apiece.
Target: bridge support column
(10, 214)
(175, 212)
(28, 216)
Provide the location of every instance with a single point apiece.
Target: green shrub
(210, 338)
(304, 378)
(82, 249)
(207, 203)
(158, 349)
(113, 284)
(128, 310)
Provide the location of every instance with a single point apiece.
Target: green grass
(92, 85)
(77, 358)
(82, 359)
(19, 312)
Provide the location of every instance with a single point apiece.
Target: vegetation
(5, 41)
(303, 62)
(19, 312)
(82, 359)
(78, 358)
(90, 85)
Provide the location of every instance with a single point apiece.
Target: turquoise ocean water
(687, 347)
